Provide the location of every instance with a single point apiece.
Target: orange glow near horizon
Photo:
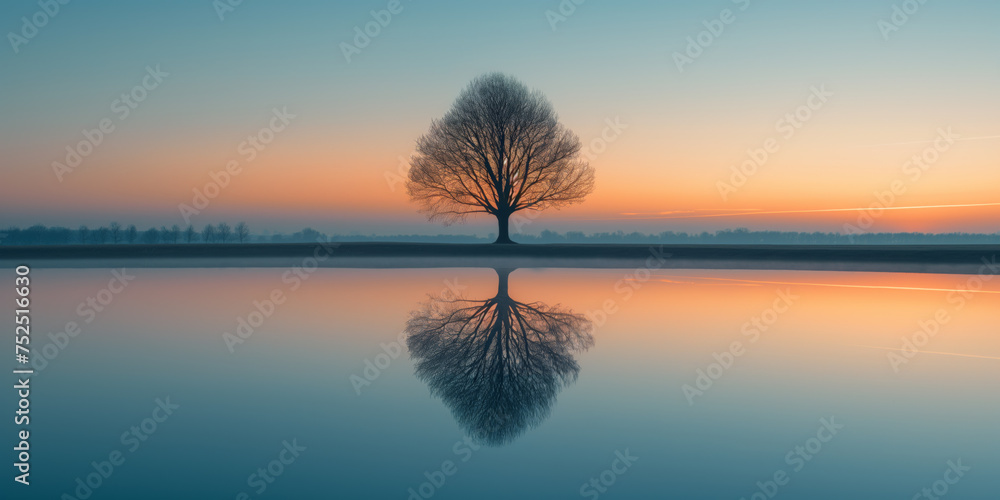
(737, 282)
(831, 309)
(746, 211)
(303, 176)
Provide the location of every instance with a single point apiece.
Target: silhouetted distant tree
(83, 234)
(101, 234)
(208, 234)
(131, 233)
(498, 150)
(190, 235)
(174, 233)
(224, 232)
(242, 232)
(116, 232)
(307, 234)
(151, 236)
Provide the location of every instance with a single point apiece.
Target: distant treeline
(116, 233)
(744, 236)
(240, 233)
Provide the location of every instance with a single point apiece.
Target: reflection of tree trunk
(503, 226)
(502, 278)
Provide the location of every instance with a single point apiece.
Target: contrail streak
(928, 352)
(985, 137)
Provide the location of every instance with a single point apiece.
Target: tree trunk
(503, 226)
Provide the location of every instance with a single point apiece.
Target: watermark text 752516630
(22, 339)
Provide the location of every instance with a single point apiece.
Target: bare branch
(498, 150)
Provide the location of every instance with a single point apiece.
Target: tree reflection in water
(497, 363)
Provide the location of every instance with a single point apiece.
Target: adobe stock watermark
(714, 29)
(954, 473)
(521, 219)
(613, 129)
(264, 308)
(248, 149)
(225, 7)
(436, 479)
(797, 458)
(930, 327)
(705, 378)
(901, 14)
(122, 108)
(626, 287)
(88, 310)
(912, 171)
(363, 35)
(562, 12)
(622, 462)
(393, 179)
(133, 439)
(266, 475)
(786, 128)
(376, 365)
(30, 26)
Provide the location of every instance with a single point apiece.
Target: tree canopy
(498, 150)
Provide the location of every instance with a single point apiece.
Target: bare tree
(224, 232)
(190, 234)
(151, 236)
(208, 234)
(102, 234)
(499, 150)
(83, 232)
(242, 232)
(131, 233)
(175, 233)
(116, 232)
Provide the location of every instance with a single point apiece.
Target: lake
(464, 383)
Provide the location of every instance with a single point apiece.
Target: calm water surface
(531, 383)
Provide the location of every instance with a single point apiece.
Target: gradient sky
(331, 167)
